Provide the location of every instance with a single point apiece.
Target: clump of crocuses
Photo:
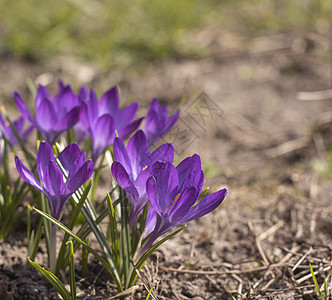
(148, 195)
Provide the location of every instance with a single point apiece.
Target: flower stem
(53, 232)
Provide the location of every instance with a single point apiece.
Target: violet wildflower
(101, 118)
(57, 191)
(173, 193)
(53, 116)
(157, 122)
(18, 125)
(131, 168)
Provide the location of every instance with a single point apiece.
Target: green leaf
(148, 252)
(72, 271)
(150, 291)
(316, 283)
(84, 263)
(62, 257)
(52, 279)
(94, 253)
(113, 231)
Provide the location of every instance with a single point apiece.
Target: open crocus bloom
(53, 116)
(101, 118)
(173, 192)
(157, 122)
(57, 191)
(131, 168)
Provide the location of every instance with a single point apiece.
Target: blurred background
(121, 33)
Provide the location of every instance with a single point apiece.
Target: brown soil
(241, 112)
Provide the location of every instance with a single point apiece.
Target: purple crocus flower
(18, 124)
(53, 116)
(57, 191)
(7, 132)
(101, 118)
(173, 193)
(157, 122)
(131, 168)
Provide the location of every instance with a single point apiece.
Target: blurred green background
(109, 33)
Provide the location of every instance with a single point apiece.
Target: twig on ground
(314, 96)
(288, 147)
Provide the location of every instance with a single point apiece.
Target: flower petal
(23, 109)
(205, 206)
(181, 206)
(27, 175)
(44, 155)
(46, 116)
(125, 116)
(138, 152)
(42, 94)
(165, 153)
(125, 132)
(121, 156)
(80, 177)
(166, 182)
(68, 120)
(103, 135)
(190, 173)
(53, 179)
(109, 102)
(69, 156)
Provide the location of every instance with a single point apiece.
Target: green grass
(113, 32)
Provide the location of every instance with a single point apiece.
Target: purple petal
(92, 105)
(68, 120)
(46, 116)
(164, 153)
(121, 176)
(23, 109)
(167, 183)
(109, 102)
(138, 152)
(125, 116)
(151, 189)
(80, 177)
(69, 155)
(150, 222)
(83, 94)
(121, 156)
(26, 174)
(181, 206)
(84, 116)
(103, 135)
(45, 154)
(125, 132)
(206, 205)
(42, 94)
(53, 182)
(190, 168)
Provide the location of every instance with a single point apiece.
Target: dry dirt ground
(249, 112)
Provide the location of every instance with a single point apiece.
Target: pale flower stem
(53, 232)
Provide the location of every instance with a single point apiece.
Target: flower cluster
(150, 195)
(99, 120)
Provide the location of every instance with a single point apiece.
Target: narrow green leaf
(148, 252)
(62, 257)
(34, 242)
(72, 271)
(113, 231)
(52, 279)
(84, 262)
(150, 291)
(94, 253)
(315, 282)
